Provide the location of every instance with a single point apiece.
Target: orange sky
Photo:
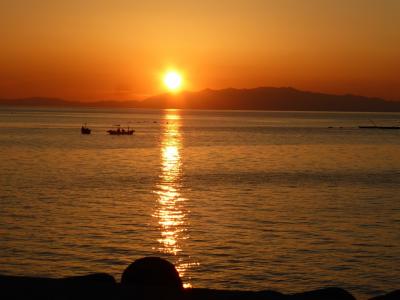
(100, 49)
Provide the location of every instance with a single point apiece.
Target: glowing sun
(173, 81)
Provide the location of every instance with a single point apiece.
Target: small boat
(120, 131)
(85, 129)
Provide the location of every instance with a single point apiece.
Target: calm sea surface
(236, 200)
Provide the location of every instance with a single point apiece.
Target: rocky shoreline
(148, 278)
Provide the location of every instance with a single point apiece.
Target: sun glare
(173, 81)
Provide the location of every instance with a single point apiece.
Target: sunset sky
(92, 50)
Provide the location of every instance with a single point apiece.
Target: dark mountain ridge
(265, 98)
(262, 98)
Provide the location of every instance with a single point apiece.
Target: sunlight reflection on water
(263, 200)
(171, 214)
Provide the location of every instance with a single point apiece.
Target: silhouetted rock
(322, 294)
(332, 293)
(152, 271)
(147, 278)
(151, 277)
(94, 286)
(209, 294)
(395, 295)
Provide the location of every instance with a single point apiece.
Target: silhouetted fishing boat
(85, 129)
(120, 131)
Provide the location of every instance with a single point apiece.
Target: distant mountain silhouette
(37, 101)
(263, 98)
(56, 102)
(270, 98)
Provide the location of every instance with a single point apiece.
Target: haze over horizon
(101, 50)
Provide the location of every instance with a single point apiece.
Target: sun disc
(173, 81)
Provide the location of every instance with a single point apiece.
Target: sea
(244, 200)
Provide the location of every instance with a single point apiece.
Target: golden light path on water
(171, 212)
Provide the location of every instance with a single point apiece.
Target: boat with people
(85, 129)
(120, 131)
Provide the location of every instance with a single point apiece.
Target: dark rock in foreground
(147, 278)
